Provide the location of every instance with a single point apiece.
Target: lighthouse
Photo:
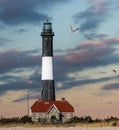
(47, 80)
(48, 109)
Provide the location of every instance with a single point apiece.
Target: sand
(62, 128)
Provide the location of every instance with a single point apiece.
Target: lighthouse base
(48, 90)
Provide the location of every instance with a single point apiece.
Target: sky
(83, 68)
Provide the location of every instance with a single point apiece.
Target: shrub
(25, 119)
(114, 124)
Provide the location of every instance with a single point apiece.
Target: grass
(33, 125)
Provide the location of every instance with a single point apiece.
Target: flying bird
(74, 30)
(87, 37)
(114, 71)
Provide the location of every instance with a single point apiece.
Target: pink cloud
(98, 2)
(105, 42)
(99, 6)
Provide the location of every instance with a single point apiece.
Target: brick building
(52, 111)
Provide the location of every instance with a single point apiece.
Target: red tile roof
(44, 106)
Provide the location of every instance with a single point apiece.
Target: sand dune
(62, 128)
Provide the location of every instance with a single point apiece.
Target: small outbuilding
(52, 111)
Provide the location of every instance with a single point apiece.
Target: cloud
(21, 30)
(101, 36)
(15, 63)
(97, 44)
(91, 18)
(19, 82)
(17, 12)
(91, 58)
(4, 41)
(74, 83)
(112, 86)
(13, 59)
(34, 95)
(18, 66)
(84, 57)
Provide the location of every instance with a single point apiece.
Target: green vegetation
(80, 121)
(24, 119)
(88, 121)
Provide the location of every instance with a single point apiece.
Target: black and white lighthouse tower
(47, 81)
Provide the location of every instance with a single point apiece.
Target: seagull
(74, 30)
(114, 71)
(87, 37)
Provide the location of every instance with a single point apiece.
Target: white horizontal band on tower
(47, 68)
